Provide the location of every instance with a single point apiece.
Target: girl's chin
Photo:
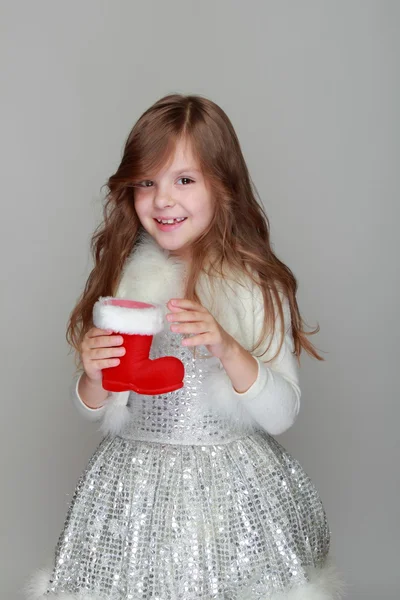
(179, 250)
(175, 248)
(169, 243)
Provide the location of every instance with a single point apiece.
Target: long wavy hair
(238, 238)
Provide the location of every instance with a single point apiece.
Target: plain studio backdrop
(312, 88)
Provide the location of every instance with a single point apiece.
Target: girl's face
(175, 207)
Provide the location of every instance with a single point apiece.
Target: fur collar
(151, 275)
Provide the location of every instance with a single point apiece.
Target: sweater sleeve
(91, 414)
(273, 401)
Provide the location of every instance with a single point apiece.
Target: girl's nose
(163, 200)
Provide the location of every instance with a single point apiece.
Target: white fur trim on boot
(127, 316)
(116, 413)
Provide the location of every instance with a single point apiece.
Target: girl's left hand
(190, 317)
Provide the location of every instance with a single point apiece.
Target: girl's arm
(255, 391)
(94, 405)
(100, 349)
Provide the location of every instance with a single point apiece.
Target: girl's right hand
(100, 349)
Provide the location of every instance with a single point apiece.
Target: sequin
(187, 505)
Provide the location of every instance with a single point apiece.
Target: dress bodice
(183, 416)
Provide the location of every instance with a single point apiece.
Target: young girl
(188, 496)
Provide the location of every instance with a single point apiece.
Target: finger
(101, 353)
(190, 328)
(106, 363)
(105, 341)
(187, 315)
(96, 331)
(184, 303)
(203, 339)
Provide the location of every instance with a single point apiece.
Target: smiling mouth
(170, 221)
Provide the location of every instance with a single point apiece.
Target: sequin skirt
(180, 522)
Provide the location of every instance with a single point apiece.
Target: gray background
(312, 88)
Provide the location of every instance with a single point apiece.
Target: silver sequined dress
(186, 504)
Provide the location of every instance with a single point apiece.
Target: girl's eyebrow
(192, 169)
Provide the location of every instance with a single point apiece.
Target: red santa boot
(137, 322)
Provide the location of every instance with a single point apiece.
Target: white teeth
(170, 221)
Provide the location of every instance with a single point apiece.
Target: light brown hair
(238, 237)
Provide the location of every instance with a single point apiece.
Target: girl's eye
(145, 183)
(185, 180)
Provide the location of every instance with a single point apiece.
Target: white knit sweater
(273, 401)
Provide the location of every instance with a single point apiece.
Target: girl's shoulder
(247, 290)
(241, 286)
(245, 285)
